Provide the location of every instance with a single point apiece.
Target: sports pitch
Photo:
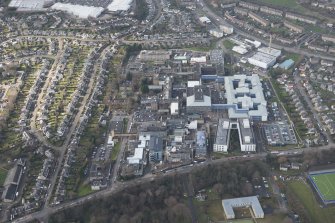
(324, 183)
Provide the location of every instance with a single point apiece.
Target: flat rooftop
(28, 4)
(247, 135)
(119, 5)
(222, 132)
(245, 96)
(263, 57)
(270, 51)
(229, 204)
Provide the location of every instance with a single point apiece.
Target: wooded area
(163, 200)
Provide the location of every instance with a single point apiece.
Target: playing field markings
(331, 185)
(323, 193)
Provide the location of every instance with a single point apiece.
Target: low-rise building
(201, 144)
(262, 60)
(216, 33)
(301, 18)
(258, 19)
(204, 20)
(287, 64)
(328, 38)
(241, 11)
(13, 181)
(318, 48)
(198, 99)
(154, 55)
(155, 149)
(222, 136)
(228, 29)
(271, 11)
(246, 136)
(251, 202)
(138, 156)
(248, 5)
(327, 63)
(293, 27)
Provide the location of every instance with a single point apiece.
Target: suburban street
(219, 20)
(316, 116)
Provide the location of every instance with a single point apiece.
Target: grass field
(209, 209)
(325, 184)
(84, 189)
(291, 4)
(228, 44)
(241, 221)
(3, 174)
(115, 151)
(305, 195)
(273, 218)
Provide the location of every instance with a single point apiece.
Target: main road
(119, 186)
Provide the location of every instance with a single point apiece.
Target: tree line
(163, 200)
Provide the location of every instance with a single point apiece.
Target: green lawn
(209, 209)
(200, 48)
(115, 151)
(3, 174)
(325, 184)
(241, 221)
(294, 56)
(291, 4)
(84, 189)
(274, 218)
(305, 195)
(228, 44)
(125, 125)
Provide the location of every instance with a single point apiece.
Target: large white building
(174, 108)
(119, 5)
(240, 50)
(262, 60)
(246, 136)
(271, 51)
(81, 11)
(265, 57)
(245, 97)
(216, 33)
(29, 4)
(154, 55)
(222, 136)
(228, 29)
(245, 132)
(251, 202)
(137, 158)
(204, 20)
